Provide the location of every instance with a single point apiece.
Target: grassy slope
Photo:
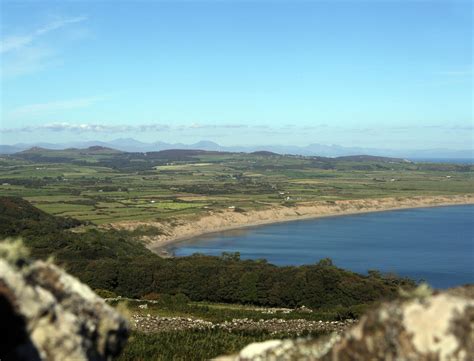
(190, 345)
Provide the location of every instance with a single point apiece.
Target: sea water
(432, 244)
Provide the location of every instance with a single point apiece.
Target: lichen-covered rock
(46, 314)
(439, 327)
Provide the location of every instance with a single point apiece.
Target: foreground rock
(424, 328)
(46, 314)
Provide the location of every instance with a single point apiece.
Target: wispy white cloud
(74, 128)
(93, 128)
(31, 60)
(48, 108)
(25, 54)
(210, 126)
(15, 42)
(110, 128)
(190, 128)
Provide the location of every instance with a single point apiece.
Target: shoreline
(227, 220)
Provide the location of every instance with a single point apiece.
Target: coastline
(214, 222)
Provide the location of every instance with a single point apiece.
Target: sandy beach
(183, 229)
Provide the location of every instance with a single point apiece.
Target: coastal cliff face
(177, 229)
(424, 327)
(46, 314)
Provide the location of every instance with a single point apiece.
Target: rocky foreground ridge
(420, 327)
(46, 314)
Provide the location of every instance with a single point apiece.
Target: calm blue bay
(433, 244)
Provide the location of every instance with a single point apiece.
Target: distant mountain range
(133, 145)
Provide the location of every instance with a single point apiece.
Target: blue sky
(387, 74)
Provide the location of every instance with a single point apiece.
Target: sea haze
(432, 244)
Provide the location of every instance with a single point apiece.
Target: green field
(101, 185)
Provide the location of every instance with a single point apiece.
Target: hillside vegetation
(116, 261)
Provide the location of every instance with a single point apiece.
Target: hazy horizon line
(223, 145)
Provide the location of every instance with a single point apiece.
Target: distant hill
(35, 150)
(179, 154)
(371, 158)
(10, 149)
(264, 153)
(182, 152)
(97, 149)
(117, 159)
(91, 149)
(313, 149)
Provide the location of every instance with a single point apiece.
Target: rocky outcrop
(437, 327)
(46, 314)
